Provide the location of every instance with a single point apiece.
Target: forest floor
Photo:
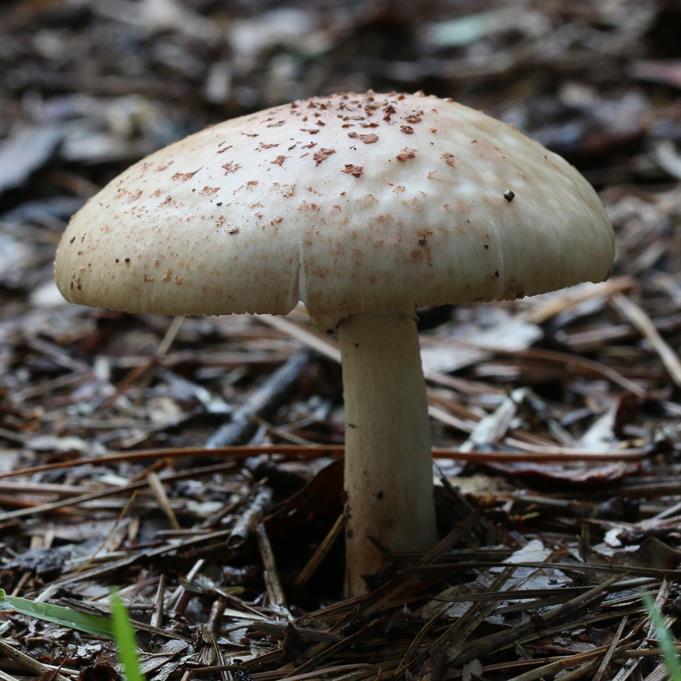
(557, 419)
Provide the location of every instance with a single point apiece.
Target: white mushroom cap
(350, 203)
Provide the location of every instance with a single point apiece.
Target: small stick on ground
(320, 552)
(638, 317)
(275, 591)
(159, 492)
(600, 673)
(157, 617)
(263, 402)
(247, 521)
(28, 664)
(544, 310)
(4, 676)
(503, 639)
(555, 455)
(181, 596)
(558, 665)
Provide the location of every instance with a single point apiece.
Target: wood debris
(194, 465)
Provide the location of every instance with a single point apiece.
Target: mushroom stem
(388, 461)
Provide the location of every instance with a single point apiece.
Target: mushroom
(362, 206)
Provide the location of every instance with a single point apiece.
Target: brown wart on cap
(321, 155)
(356, 264)
(406, 155)
(350, 169)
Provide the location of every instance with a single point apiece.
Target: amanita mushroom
(362, 206)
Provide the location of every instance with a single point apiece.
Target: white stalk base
(388, 461)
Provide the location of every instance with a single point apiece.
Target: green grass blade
(124, 635)
(57, 614)
(671, 659)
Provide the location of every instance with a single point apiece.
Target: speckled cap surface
(349, 203)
